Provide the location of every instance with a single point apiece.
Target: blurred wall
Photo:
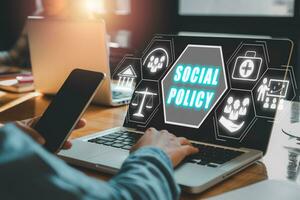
(13, 16)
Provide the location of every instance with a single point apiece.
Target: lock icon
(247, 67)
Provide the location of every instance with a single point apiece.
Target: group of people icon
(235, 108)
(273, 104)
(156, 63)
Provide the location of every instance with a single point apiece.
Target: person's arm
(27, 170)
(146, 174)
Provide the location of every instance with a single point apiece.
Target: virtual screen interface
(217, 90)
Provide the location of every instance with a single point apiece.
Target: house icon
(126, 77)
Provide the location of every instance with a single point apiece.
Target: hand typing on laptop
(177, 148)
(147, 173)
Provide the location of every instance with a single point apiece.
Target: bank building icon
(126, 78)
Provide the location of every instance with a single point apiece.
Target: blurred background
(132, 23)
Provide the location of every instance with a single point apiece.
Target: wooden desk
(100, 118)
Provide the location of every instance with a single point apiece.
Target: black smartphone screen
(67, 106)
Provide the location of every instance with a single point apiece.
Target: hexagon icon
(127, 74)
(235, 114)
(275, 86)
(157, 58)
(144, 102)
(247, 64)
(193, 85)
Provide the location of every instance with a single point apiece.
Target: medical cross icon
(247, 68)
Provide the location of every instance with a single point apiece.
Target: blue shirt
(27, 171)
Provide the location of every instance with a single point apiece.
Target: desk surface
(100, 118)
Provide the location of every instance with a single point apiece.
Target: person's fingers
(81, 123)
(67, 145)
(170, 135)
(189, 150)
(33, 133)
(30, 122)
(151, 130)
(184, 141)
(34, 121)
(164, 131)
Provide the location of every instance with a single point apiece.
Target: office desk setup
(101, 118)
(232, 92)
(183, 85)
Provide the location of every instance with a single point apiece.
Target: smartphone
(67, 107)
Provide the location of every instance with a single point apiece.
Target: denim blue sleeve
(27, 171)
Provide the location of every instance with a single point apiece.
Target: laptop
(58, 46)
(220, 93)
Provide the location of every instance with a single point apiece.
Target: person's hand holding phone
(28, 124)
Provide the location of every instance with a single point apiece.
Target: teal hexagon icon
(194, 85)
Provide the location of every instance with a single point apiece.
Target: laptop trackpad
(83, 150)
(194, 175)
(113, 158)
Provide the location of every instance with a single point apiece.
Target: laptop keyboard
(121, 139)
(210, 156)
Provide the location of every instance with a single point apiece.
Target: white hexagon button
(194, 85)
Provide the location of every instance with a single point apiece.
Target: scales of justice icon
(143, 95)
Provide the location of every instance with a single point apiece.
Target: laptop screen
(217, 90)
